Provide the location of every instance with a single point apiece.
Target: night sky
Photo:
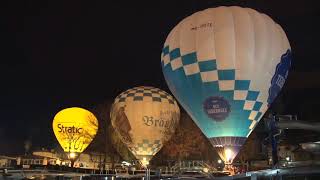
(57, 54)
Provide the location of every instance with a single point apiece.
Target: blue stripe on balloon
(281, 72)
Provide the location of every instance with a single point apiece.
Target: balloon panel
(144, 118)
(225, 66)
(75, 128)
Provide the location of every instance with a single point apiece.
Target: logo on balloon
(217, 108)
(69, 129)
(164, 120)
(279, 76)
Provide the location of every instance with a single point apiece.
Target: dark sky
(57, 54)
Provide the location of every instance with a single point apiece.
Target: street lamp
(206, 170)
(288, 158)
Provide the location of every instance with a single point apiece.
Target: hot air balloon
(144, 118)
(74, 128)
(225, 66)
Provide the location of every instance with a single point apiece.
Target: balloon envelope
(225, 66)
(144, 118)
(75, 128)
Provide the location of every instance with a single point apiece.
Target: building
(7, 162)
(27, 161)
(85, 160)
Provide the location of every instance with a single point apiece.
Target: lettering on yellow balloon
(69, 129)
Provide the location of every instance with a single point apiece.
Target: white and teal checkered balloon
(225, 66)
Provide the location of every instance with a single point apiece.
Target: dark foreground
(297, 173)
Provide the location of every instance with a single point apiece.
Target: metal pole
(272, 132)
(147, 174)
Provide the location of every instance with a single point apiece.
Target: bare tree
(121, 148)
(107, 140)
(187, 143)
(101, 143)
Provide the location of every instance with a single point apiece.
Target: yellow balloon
(75, 128)
(145, 118)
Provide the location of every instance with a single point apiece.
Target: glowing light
(125, 163)
(228, 154)
(205, 170)
(219, 161)
(288, 158)
(144, 161)
(72, 155)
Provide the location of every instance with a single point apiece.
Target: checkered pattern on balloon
(187, 75)
(145, 147)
